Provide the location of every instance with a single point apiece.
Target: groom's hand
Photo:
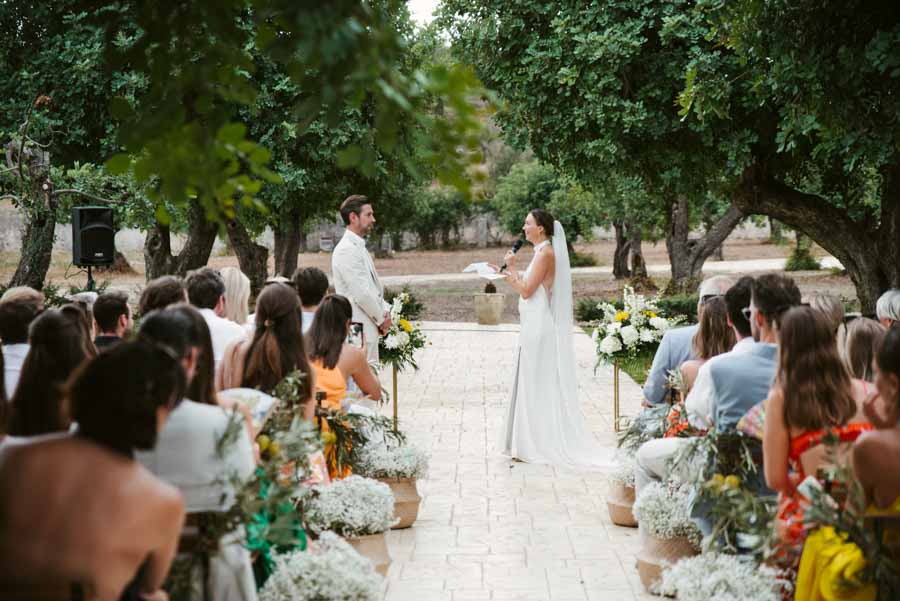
(386, 324)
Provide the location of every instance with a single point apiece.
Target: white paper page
(484, 270)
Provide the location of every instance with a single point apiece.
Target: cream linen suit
(355, 277)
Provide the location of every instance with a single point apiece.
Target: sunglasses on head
(708, 297)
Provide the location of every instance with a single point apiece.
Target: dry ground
(452, 301)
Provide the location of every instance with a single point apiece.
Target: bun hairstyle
(277, 346)
(329, 330)
(816, 384)
(544, 220)
(116, 396)
(57, 349)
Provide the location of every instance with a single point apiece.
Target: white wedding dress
(545, 423)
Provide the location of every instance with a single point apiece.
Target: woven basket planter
(656, 554)
(374, 548)
(406, 500)
(619, 502)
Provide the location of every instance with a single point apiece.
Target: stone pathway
(490, 528)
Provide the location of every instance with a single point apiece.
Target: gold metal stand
(615, 396)
(394, 369)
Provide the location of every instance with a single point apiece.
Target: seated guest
(676, 345)
(250, 326)
(653, 456)
(162, 292)
(275, 350)
(86, 301)
(206, 291)
(112, 318)
(887, 308)
(335, 361)
(77, 314)
(743, 380)
(312, 286)
(813, 395)
(186, 455)
(57, 348)
(862, 340)
(94, 523)
(876, 455)
(828, 305)
(713, 337)
(237, 294)
(18, 309)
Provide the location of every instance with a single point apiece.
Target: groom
(355, 276)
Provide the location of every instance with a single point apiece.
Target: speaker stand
(91, 284)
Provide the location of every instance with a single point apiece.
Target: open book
(484, 270)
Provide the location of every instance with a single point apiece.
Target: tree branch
(88, 195)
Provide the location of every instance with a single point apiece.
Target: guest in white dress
(206, 291)
(186, 457)
(18, 308)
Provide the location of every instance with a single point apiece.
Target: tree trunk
(288, 241)
(620, 255)
(776, 231)
(253, 258)
(868, 249)
(687, 256)
(38, 237)
(201, 236)
(636, 253)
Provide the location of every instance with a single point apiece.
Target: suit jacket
(355, 277)
(675, 348)
(741, 381)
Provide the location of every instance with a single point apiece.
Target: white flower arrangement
(721, 577)
(631, 330)
(351, 507)
(403, 339)
(663, 510)
(623, 473)
(383, 461)
(330, 569)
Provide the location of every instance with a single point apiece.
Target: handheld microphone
(518, 244)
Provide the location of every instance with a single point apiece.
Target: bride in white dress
(545, 423)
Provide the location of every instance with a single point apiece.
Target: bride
(545, 423)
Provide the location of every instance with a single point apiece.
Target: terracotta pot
(489, 308)
(374, 548)
(619, 502)
(656, 554)
(406, 500)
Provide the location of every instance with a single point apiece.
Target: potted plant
(356, 508)
(663, 510)
(489, 305)
(620, 498)
(330, 569)
(399, 467)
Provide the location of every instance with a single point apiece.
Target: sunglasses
(708, 297)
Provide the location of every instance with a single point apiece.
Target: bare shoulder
(547, 253)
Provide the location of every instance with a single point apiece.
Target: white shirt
(185, 456)
(699, 400)
(13, 358)
(307, 319)
(223, 332)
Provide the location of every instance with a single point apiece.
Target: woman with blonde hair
(237, 294)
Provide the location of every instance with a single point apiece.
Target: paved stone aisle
(489, 528)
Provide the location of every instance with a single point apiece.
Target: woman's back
(72, 511)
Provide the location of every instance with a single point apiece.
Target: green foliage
(578, 259)
(413, 308)
(801, 258)
(586, 309)
(436, 212)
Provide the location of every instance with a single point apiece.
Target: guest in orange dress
(813, 395)
(335, 362)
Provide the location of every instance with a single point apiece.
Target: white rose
(391, 342)
(402, 338)
(614, 327)
(659, 323)
(647, 335)
(629, 335)
(610, 345)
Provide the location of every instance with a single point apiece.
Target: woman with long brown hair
(275, 351)
(813, 395)
(713, 337)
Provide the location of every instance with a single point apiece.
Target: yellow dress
(333, 384)
(831, 567)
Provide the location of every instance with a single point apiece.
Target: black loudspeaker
(93, 236)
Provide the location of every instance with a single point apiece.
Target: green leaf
(118, 164)
(232, 133)
(120, 109)
(349, 157)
